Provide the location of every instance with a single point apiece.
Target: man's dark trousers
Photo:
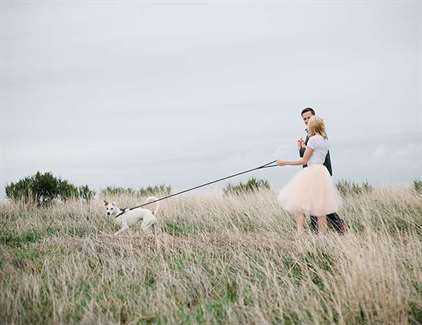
(333, 219)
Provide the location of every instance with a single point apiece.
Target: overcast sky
(134, 93)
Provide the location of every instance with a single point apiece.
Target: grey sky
(147, 92)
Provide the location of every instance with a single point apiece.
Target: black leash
(267, 165)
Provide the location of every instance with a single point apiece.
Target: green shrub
(43, 188)
(21, 190)
(143, 191)
(417, 185)
(252, 185)
(113, 190)
(85, 193)
(351, 188)
(155, 190)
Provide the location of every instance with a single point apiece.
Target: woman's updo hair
(316, 125)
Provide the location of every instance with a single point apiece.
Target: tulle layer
(311, 191)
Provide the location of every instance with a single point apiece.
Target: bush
(252, 185)
(155, 190)
(85, 193)
(42, 189)
(417, 185)
(113, 190)
(351, 188)
(143, 191)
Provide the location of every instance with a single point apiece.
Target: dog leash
(267, 165)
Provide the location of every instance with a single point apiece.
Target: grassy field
(215, 260)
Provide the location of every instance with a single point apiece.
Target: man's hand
(300, 143)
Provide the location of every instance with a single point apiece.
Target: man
(333, 220)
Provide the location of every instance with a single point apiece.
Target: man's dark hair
(308, 109)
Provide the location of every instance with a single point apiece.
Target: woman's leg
(322, 224)
(300, 220)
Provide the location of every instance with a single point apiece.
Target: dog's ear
(105, 202)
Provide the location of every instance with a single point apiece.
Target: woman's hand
(281, 163)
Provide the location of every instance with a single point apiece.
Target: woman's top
(320, 146)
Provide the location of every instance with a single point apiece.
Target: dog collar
(121, 212)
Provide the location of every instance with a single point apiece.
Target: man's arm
(301, 146)
(327, 163)
(302, 151)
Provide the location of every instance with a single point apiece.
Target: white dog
(126, 217)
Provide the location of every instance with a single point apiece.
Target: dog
(127, 217)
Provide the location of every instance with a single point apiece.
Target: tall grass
(216, 259)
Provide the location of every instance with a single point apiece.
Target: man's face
(306, 116)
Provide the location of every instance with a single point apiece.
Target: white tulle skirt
(311, 191)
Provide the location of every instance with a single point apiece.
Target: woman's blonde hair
(316, 125)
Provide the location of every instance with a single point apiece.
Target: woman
(312, 190)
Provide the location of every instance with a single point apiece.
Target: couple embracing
(312, 191)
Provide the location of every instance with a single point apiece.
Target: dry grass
(215, 260)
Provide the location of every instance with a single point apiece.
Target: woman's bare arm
(303, 161)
